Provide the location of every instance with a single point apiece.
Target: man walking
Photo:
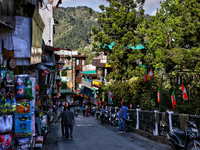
(68, 119)
(122, 118)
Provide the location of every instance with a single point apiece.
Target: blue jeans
(67, 130)
(122, 124)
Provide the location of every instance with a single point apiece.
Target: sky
(150, 6)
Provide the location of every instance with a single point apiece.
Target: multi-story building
(70, 76)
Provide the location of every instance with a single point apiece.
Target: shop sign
(93, 101)
(12, 63)
(85, 96)
(97, 83)
(73, 74)
(66, 79)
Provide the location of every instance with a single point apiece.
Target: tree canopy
(118, 24)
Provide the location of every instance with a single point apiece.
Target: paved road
(89, 134)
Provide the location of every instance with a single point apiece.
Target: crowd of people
(68, 120)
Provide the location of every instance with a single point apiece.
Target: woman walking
(87, 111)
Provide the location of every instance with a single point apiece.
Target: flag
(44, 73)
(173, 100)
(185, 97)
(122, 100)
(158, 95)
(130, 105)
(59, 2)
(151, 73)
(145, 76)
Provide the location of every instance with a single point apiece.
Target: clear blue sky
(150, 6)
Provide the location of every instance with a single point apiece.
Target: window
(77, 62)
(77, 73)
(83, 62)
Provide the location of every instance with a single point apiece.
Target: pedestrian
(122, 118)
(93, 111)
(87, 111)
(97, 112)
(68, 119)
(83, 109)
(62, 121)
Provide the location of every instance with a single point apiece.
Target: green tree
(118, 24)
(173, 44)
(173, 35)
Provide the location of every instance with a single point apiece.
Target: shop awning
(94, 89)
(89, 72)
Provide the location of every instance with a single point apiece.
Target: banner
(110, 98)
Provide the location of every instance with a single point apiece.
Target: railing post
(137, 124)
(170, 119)
(155, 132)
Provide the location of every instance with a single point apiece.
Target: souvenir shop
(25, 112)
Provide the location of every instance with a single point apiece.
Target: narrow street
(89, 133)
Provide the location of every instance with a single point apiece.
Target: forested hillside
(74, 25)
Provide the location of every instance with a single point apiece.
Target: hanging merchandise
(5, 142)
(3, 105)
(28, 89)
(20, 89)
(23, 107)
(9, 76)
(36, 87)
(3, 88)
(22, 143)
(8, 123)
(11, 106)
(23, 125)
(2, 125)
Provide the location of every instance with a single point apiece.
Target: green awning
(138, 47)
(94, 89)
(89, 72)
(65, 91)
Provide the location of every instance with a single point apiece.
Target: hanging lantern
(36, 87)
(60, 83)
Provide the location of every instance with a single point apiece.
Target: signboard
(66, 79)
(73, 73)
(97, 83)
(85, 96)
(110, 97)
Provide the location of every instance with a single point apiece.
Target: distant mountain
(74, 25)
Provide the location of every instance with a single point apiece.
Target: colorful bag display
(20, 89)
(2, 125)
(8, 123)
(23, 124)
(24, 107)
(28, 89)
(5, 142)
(22, 143)
(11, 106)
